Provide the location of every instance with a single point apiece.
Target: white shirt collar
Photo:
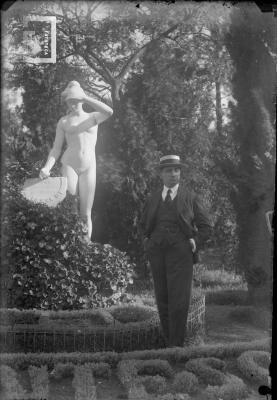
(173, 193)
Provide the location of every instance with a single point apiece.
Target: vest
(167, 226)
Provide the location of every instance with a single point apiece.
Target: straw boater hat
(170, 161)
(73, 91)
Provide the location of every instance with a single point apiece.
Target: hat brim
(176, 165)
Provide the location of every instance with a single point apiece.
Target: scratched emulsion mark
(39, 39)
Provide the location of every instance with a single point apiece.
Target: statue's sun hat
(73, 91)
(170, 161)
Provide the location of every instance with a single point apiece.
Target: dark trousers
(172, 267)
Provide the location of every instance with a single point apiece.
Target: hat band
(170, 157)
(170, 163)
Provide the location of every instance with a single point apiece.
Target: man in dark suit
(174, 225)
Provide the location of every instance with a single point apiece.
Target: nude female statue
(78, 130)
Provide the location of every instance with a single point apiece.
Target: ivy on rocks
(48, 264)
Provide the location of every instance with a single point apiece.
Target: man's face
(170, 176)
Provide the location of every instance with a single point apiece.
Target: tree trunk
(255, 252)
(218, 107)
(116, 86)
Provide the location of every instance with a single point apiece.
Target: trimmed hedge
(137, 392)
(12, 316)
(132, 313)
(39, 381)
(12, 389)
(182, 354)
(9, 384)
(84, 383)
(232, 389)
(209, 370)
(129, 373)
(154, 384)
(66, 370)
(119, 328)
(174, 355)
(254, 365)
(21, 361)
(185, 382)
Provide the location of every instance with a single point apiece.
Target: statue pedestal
(50, 191)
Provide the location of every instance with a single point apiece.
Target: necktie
(168, 197)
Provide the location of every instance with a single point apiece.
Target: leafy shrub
(132, 313)
(254, 365)
(186, 382)
(50, 265)
(208, 370)
(154, 384)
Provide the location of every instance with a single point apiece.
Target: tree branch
(102, 64)
(93, 7)
(67, 55)
(105, 73)
(141, 50)
(92, 65)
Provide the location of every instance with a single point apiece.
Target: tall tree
(252, 44)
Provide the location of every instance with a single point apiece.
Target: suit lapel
(180, 199)
(155, 202)
(181, 202)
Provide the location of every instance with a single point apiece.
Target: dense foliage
(50, 264)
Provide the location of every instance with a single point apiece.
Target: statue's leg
(87, 182)
(72, 184)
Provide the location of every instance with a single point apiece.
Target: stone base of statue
(50, 191)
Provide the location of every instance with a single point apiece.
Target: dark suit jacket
(194, 220)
